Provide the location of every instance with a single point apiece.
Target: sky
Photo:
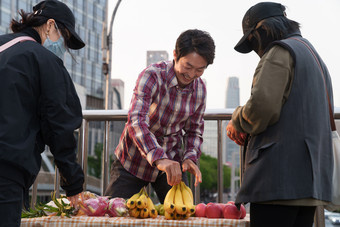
(142, 25)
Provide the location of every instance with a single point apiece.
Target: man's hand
(172, 170)
(191, 167)
(234, 135)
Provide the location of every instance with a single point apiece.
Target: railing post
(105, 158)
(219, 162)
(82, 158)
(56, 182)
(319, 217)
(197, 192)
(34, 193)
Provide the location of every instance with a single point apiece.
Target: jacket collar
(32, 33)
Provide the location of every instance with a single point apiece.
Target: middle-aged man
(288, 149)
(163, 135)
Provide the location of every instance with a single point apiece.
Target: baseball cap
(61, 13)
(253, 16)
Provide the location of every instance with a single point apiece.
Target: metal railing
(121, 115)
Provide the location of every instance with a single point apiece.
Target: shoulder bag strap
(324, 81)
(14, 41)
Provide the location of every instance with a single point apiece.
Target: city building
(209, 146)
(153, 56)
(117, 90)
(232, 101)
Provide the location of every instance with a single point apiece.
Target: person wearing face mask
(285, 124)
(163, 134)
(38, 105)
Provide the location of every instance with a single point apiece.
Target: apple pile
(220, 210)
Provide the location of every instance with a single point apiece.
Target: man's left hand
(191, 167)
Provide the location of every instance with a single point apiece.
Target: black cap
(253, 16)
(61, 13)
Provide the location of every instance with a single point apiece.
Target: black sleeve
(61, 115)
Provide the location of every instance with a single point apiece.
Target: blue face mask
(57, 47)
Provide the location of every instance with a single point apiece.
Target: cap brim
(75, 42)
(243, 46)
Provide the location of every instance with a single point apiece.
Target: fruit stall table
(53, 221)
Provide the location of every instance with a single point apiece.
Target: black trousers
(123, 184)
(267, 215)
(11, 200)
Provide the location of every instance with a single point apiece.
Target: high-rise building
(153, 56)
(233, 93)
(209, 146)
(232, 101)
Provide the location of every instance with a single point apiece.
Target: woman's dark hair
(30, 20)
(276, 28)
(198, 41)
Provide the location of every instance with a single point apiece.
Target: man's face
(188, 68)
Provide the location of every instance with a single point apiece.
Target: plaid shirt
(163, 121)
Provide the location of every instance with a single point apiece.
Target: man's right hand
(172, 169)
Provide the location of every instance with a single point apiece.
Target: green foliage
(208, 167)
(95, 162)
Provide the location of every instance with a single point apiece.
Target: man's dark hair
(277, 28)
(198, 41)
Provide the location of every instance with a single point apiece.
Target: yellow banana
(135, 212)
(169, 205)
(152, 210)
(169, 216)
(188, 189)
(178, 216)
(131, 203)
(144, 213)
(142, 201)
(187, 199)
(179, 205)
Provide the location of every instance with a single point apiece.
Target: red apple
(222, 205)
(231, 202)
(231, 212)
(243, 209)
(200, 210)
(244, 212)
(213, 210)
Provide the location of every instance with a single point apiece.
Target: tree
(95, 162)
(208, 167)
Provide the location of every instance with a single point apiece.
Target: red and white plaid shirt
(163, 121)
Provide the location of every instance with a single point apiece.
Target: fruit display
(220, 210)
(140, 205)
(179, 202)
(93, 205)
(117, 207)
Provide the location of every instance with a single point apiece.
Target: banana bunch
(140, 205)
(179, 202)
